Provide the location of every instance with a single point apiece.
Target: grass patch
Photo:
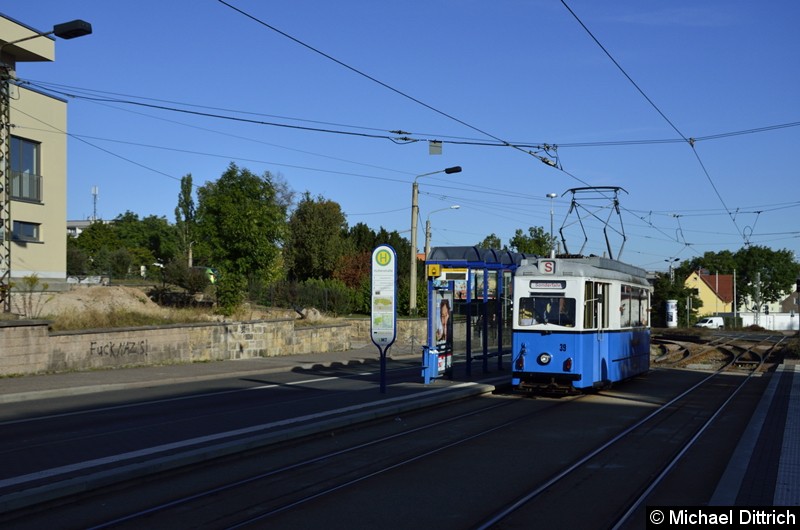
(116, 318)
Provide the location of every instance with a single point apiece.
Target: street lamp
(412, 289)
(67, 30)
(428, 228)
(551, 196)
(671, 270)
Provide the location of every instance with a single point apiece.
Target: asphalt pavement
(401, 397)
(43, 386)
(414, 394)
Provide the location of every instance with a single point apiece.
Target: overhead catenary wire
(77, 93)
(689, 141)
(589, 144)
(393, 89)
(403, 94)
(481, 189)
(555, 164)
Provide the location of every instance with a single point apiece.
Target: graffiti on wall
(118, 349)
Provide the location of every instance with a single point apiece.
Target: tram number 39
(562, 347)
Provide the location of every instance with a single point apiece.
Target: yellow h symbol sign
(384, 257)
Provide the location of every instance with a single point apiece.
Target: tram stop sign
(383, 321)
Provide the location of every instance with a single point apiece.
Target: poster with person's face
(444, 321)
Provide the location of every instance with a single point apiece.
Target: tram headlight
(568, 364)
(544, 358)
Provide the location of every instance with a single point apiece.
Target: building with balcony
(34, 209)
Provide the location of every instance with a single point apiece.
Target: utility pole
(412, 294)
(757, 297)
(6, 73)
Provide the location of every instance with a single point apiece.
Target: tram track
(740, 348)
(683, 352)
(684, 419)
(315, 477)
(539, 472)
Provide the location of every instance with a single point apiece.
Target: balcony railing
(26, 186)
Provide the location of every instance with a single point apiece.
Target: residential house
(717, 291)
(714, 290)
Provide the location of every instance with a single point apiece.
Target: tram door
(595, 316)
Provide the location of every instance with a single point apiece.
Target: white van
(710, 322)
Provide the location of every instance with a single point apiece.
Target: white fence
(772, 321)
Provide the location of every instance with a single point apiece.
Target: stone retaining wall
(28, 347)
(411, 333)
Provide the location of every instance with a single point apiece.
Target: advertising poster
(444, 328)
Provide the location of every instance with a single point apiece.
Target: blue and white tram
(579, 323)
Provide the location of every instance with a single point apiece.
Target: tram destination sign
(548, 284)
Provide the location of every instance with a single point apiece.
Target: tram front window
(538, 309)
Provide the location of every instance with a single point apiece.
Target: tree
(361, 238)
(96, 236)
(147, 241)
(96, 242)
(159, 238)
(536, 242)
(353, 268)
(723, 262)
(772, 273)
(777, 270)
(120, 262)
(316, 238)
(78, 263)
(240, 225)
(402, 247)
(185, 218)
(491, 241)
(665, 289)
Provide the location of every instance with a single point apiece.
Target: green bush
(328, 296)
(333, 296)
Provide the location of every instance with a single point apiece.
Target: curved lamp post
(412, 289)
(551, 196)
(671, 269)
(428, 228)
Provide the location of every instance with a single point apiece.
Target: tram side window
(639, 306)
(546, 309)
(595, 305)
(634, 306)
(588, 306)
(625, 307)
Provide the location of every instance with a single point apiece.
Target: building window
(26, 182)
(25, 231)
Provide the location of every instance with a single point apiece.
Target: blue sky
(511, 72)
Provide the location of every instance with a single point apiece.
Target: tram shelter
(469, 307)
